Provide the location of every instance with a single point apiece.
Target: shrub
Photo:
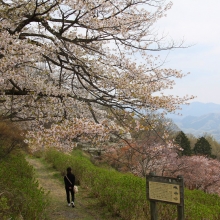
(11, 138)
(19, 192)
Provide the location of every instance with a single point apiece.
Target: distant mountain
(199, 118)
(197, 109)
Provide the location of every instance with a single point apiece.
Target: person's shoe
(73, 205)
(69, 204)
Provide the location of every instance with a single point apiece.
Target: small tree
(182, 140)
(202, 147)
(148, 150)
(192, 140)
(11, 138)
(215, 145)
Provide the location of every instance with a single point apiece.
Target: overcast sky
(198, 22)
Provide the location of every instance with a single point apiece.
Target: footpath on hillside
(86, 207)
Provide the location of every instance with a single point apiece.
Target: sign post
(165, 189)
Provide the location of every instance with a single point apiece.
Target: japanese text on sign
(164, 192)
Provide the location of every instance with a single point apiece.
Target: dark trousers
(68, 192)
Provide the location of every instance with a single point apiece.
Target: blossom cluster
(71, 64)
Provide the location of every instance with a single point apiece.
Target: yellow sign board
(164, 192)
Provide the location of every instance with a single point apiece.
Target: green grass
(20, 196)
(124, 195)
(87, 206)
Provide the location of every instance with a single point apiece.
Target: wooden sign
(164, 192)
(165, 189)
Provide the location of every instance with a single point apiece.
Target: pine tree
(182, 140)
(202, 147)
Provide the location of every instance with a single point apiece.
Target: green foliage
(202, 147)
(20, 196)
(4, 207)
(125, 194)
(202, 205)
(215, 146)
(182, 140)
(192, 140)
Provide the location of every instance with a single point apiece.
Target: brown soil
(86, 207)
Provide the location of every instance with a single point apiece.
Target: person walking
(69, 181)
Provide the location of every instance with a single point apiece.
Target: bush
(20, 196)
(11, 138)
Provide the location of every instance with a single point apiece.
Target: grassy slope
(125, 194)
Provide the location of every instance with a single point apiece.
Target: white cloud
(195, 20)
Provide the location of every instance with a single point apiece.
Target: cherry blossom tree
(199, 172)
(141, 159)
(68, 69)
(150, 150)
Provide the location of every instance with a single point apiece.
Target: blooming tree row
(199, 172)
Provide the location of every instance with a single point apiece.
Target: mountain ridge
(199, 118)
(197, 109)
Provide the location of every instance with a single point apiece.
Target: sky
(198, 23)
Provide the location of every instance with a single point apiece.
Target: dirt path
(86, 208)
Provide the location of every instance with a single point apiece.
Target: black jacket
(71, 177)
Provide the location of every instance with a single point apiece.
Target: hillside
(124, 195)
